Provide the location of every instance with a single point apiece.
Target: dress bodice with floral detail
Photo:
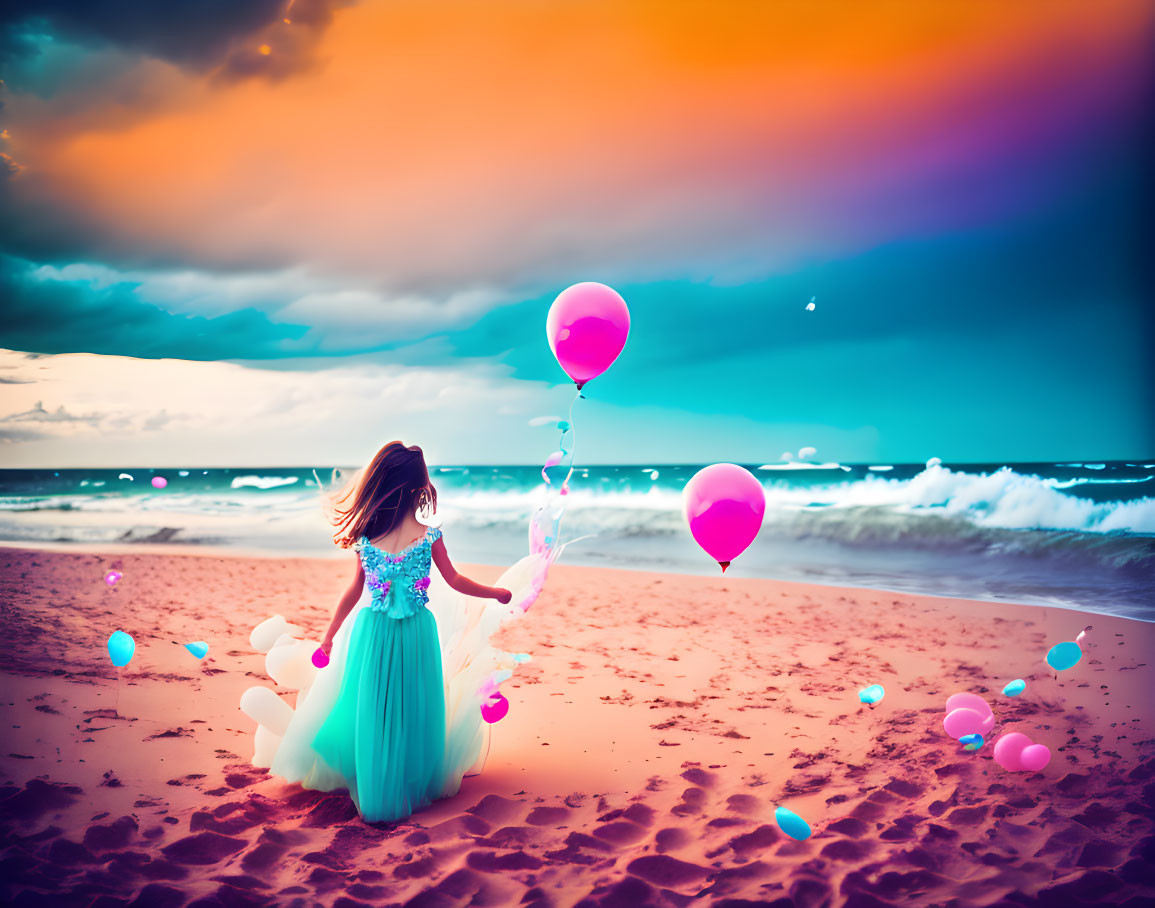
(399, 581)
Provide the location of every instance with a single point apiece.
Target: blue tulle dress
(386, 733)
(395, 717)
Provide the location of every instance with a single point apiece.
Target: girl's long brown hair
(393, 486)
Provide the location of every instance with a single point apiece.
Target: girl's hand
(503, 596)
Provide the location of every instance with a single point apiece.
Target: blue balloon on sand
(792, 824)
(1064, 655)
(872, 694)
(972, 742)
(1015, 688)
(120, 648)
(200, 649)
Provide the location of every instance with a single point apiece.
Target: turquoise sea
(1068, 534)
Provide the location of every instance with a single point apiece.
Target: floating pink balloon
(113, 577)
(587, 328)
(724, 506)
(159, 482)
(963, 721)
(1034, 757)
(320, 660)
(495, 708)
(1009, 750)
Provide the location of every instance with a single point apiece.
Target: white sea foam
(262, 482)
(803, 466)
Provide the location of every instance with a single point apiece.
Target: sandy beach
(661, 719)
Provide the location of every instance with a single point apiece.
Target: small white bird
(810, 305)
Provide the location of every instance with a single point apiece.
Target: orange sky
(431, 140)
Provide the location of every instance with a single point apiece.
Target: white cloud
(89, 410)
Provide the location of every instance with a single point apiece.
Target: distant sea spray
(1073, 534)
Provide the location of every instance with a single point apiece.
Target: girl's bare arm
(462, 583)
(352, 594)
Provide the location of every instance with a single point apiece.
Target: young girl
(375, 719)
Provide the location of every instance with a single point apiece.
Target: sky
(278, 233)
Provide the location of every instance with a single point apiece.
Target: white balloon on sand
(265, 745)
(290, 664)
(265, 708)
(265, 635)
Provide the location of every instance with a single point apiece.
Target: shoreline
(198, 550)
(659, 721)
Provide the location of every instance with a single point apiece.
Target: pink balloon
(494, 709)
(320, 660)
(1034, 757)
(968, 701)
(1009, 749)
(587, 328)
(724, 506)
(159, 482)
(963, 721)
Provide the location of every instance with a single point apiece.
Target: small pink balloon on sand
(494, 709)
(112, 577)
(319, 658)
(159, 482)
(963, 721)
(1009, 749)
(968, 700)
(1034, 757)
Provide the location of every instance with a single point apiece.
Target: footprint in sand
(851, 827)
(672, 839)
(667, 872)
(693, 801)
(748, 845)
(496, 810)
(547, 816)
(203, 848)
(38, 798)
(110, 836)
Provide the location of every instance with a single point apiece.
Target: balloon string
(572, 459)
(572, 441)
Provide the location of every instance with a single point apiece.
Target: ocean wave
(263, 482)
(804, 466)
(1000, 499)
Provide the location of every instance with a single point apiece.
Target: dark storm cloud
(60, 317)
(206, 35)
(196, 33)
